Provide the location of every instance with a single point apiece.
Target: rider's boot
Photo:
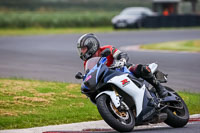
(145, 72)
(162, 92)
(148, 76)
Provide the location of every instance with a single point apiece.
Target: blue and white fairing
(97, 74)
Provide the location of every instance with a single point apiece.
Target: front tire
(177, 117)
(122, 121)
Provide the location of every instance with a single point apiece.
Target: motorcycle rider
(88, 46)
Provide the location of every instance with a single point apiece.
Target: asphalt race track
(189, 128)
(54, 57)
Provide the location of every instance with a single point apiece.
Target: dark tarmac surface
(100, 126)
(54, 57)
(193, 127)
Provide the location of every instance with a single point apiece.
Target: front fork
(114, 98)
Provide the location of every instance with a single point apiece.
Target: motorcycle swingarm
(170, 98)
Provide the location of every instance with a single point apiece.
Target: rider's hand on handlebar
(120, 63)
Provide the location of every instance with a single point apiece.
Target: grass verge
(192, 101)
(71, 30)
(30, 103)
(27, 103)
(190, 46)
(45, 31)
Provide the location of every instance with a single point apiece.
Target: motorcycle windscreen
(92, 72)
(91, 63)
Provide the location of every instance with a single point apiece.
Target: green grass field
(46, 31)
(72, 30)
(26, 103)
(192, 100)
(190, 46)
(30, 103)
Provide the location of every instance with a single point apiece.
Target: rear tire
(177, 117)
(124, 123)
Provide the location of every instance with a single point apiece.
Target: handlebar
(114, 66)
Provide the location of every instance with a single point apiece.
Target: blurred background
(38, 41)
(86, 13)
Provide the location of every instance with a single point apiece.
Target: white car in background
(131, 17)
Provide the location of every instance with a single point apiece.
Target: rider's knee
(141, 71)
(136, 70)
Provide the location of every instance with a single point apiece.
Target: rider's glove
(120, 63)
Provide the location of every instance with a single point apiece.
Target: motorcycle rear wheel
(177, 117)
(122, 121)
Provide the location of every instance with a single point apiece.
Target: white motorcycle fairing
(128, 86)
(115, 99)
(125, 83)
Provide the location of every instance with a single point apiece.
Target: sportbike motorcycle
(125, 101)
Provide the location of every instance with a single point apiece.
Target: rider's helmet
(87, 45)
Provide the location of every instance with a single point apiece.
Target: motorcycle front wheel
(120, 120)
(178, 114)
